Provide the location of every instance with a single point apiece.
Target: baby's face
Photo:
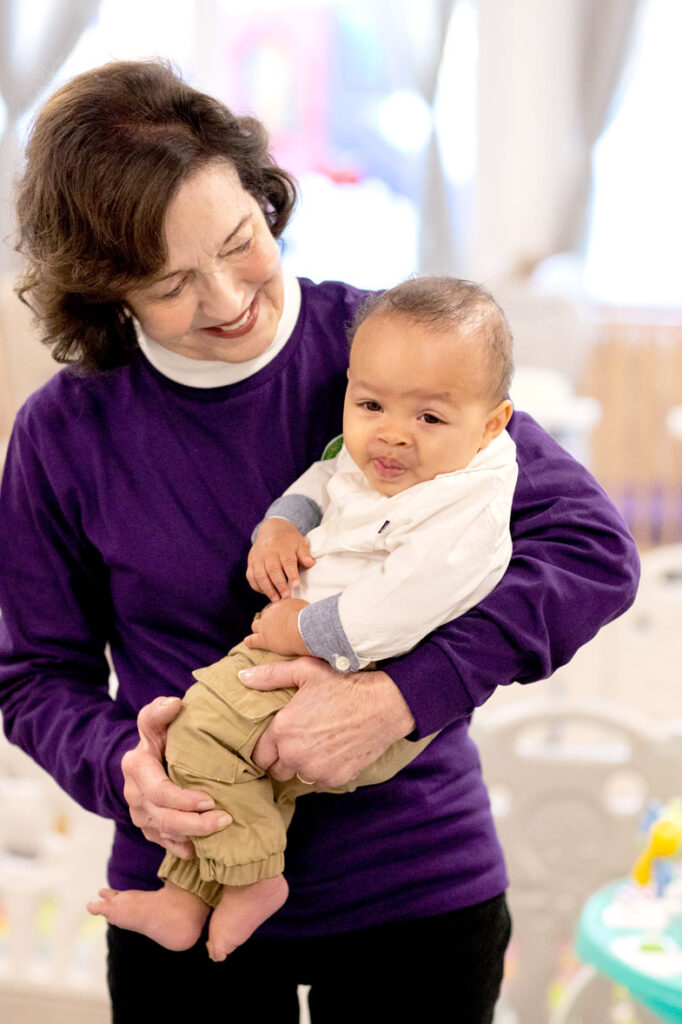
(414, 406)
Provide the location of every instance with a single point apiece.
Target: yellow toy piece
(665, 838)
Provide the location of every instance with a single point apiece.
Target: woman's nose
(223, 298)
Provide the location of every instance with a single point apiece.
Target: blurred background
(528, 144)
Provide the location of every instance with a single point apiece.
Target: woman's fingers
(177, 825)
(163, 793)
(275, 675)
(166, 814)
(154, 719)
(334, 726)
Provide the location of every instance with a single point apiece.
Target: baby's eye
(428, 417)
(370, 405)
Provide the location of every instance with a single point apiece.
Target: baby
(402, 530)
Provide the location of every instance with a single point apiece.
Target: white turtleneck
(214, 373)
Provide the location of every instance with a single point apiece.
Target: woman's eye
(175, 291)
(244, 247)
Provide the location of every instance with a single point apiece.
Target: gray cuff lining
(324, 636)
(299, 509)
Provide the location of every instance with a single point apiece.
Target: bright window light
(634, 252)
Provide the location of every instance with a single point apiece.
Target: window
(635, 235)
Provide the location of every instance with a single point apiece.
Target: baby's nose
(394, 434)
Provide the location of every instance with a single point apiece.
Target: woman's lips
(236, 328)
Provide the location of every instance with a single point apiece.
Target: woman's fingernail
(224, 821)
(206, 805)
(245, 674)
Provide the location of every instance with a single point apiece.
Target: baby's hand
(273, 561)
(276, 628)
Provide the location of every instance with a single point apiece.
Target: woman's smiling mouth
(236, 328)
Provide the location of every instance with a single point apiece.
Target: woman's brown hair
(106, 155)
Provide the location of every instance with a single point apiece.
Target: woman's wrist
(387, 702)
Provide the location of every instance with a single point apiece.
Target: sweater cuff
(323, 634)
(432, 688)
(299, 509)
(126, 743)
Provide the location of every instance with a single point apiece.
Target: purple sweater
(127, 505)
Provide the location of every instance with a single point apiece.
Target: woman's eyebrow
(237, 229)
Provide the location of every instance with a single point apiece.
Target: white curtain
(605, 32)
(24, 72)
(437, 244)
(548, 73)
(414, 35)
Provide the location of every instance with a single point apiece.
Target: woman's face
(220, 293)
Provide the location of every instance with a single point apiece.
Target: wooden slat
(635, 371)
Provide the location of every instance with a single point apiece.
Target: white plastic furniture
(52, 860)
(568, 782)
(549, 397)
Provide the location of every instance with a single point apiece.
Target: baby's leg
(170, 916)
(241, 910)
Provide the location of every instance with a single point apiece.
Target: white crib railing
(52, 859)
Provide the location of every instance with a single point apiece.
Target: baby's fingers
(304, 557)
(260, 578)
(290, 569)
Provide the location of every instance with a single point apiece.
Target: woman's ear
(497, 420)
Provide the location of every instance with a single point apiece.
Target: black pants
(439, 969)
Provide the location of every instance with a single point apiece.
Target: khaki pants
(210, 746)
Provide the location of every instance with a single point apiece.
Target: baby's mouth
(388, 467)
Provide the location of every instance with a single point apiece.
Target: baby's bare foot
(241, 910)
(170, 916)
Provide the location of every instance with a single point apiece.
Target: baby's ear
(497, 420)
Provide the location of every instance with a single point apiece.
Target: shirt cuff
(298, 509)
(320, 627)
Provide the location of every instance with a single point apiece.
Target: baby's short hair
(451, 304)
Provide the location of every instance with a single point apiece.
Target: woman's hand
(334, 726)
(276, 628)
(167, 814)
(277, 552)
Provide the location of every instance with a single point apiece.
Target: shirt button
(341, 662)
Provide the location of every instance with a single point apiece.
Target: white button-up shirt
(389, 570)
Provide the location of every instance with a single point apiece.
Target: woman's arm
(54, 676)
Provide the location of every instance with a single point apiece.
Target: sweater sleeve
(54, 682)
(574, 568)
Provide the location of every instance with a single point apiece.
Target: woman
(208, 381)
